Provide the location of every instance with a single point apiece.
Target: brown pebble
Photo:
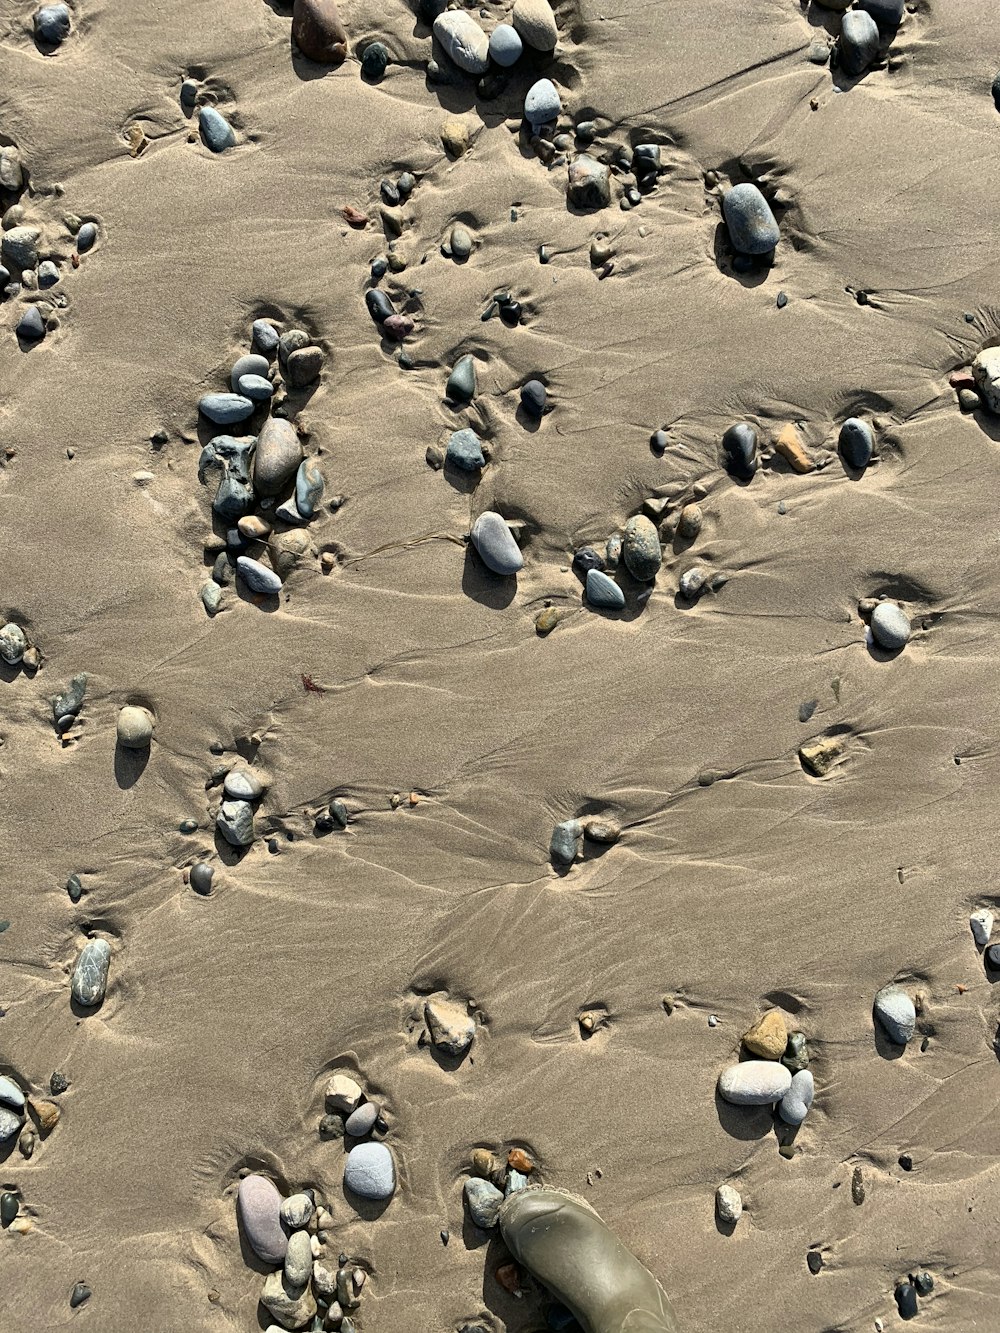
(509, 1278)
(414, 798)
(520, 1161)
(602, 830)
(434, 457)
(547, 620)
(819, 755)
(26, 1143)
(318, 31)
(354, 216)
(455, 136)
(74, 259)
(135, 139)
(46, 1113)
(789, 443)
(483, 1163)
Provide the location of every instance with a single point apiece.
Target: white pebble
(981, 923)
(713, 1021)
(728, 1204)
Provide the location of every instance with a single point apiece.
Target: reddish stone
(354, 216)
(397, 327)
(318, 32)
(962, 379)
(509, 1278)
(520, 1161)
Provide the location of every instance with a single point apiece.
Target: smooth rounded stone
(856, 443)
(460, 241)
(895, 1012)
(201, 876)
(235, 822)
(886, 13)
(11, 170)
(293, 340)
(256, 387)
(48, 274)
(542, 104)
(370, 1172)
(265, 336)
(293, 1306)
(981, 924)
(585, 558)
(565, 841)
(9, 1207)
(379, 305)
(250, 364)
(374, 60)
(602, 590)
(324, 1281)
(90, 976)
(465, 451)
(589, 183)
(80, 1293)
(298, 1259)
(483, 1201)
(277, 456)
(452, 1028)
(505, 45)
(52, 24)
(728, 1205)
(794, 1106)
(343, 1093)
(986, 374)
(242, 784)
(86, 237)
(211, 597)
(303, 366)
(318, 31)
(135, 727)
(533, 398)
(751, 224)
(992, 957)
(641, 548)
(225, 409)
(309, 487)
(859, 42)
(535, 23)
(754, 1083)
(463, 40)
(768, 1037)
(10, 1093)
(216, 132)
(739, 448)
(461, 385)
(189, 93)
(495, 544)
(690, 522)
(20, 246)
(906, 1300)
(362, 1121)
(692, 583)
(10, 1123)
(258, 1208)
(13, 643)
(31, 325)
(286, 549)
(796, 1056)
(890, 626)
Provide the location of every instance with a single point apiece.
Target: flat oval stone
(641, 548)
(242, 784)
(201, 876)
(542, 104)
(859, 42)
(890, 627)
(505, 45)
(981, 924)
(258, 577)
(856, 443)
(235, 822)
(86, 237)
(277, 456)
(250, 364)
(751, 224)
(463, 40)
(602, 590)
(370, 1172)
(461, 385)
(794, 1106)
(303, 366)
(298, 1259)
(90, 976)
(265, 336)
(495, 543)
(216, 131)
(309, 487)
(19, 245)
(465, 451)
(258, 1208)
(48, 273)
(896, 1013)
(256, 387)
(565, 841)
(13, 643)
(135, 727)
(52, 24)
(225, 409)
(10, 1093)
(483, 1201)
(460, 241)
(318, 31)
(754, 1083)
(362, 1121)
(536, 24)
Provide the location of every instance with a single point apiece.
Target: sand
(225, 1015)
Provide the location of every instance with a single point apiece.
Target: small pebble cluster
(28, 1119)
(777, 1072)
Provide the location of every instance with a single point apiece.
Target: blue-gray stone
(4, 277)
(86, 237)
(265, 336)
(70, 703)
(216, 130)
(859, 42)
(10, 1093)
(361, 1121)
(234, 498)
(886, 13)
(602, 590)
(895, 1011)
(231, 453)
(256, 576)
(48, 273)
(10, 1123)
(309, 487)
(641, 548)
(533, 396)
(20, 246)
(890, 627)
(565, 841)
(542, 104)
(211, 596)
(250, 364)
(225, 409)
(794, 1106)
(201, 877)
(235, 822)
(90, 976)
(516, 1180)
(256, 387)
(31, 326)
(370, 1172)
(52, 24)
(752, 228)
(857, 442)
(406, 183)
(374, 60)
(739, 446)
(461, 384)
(483, 1201)
(505, 45)
(495, 543)
(465, 451)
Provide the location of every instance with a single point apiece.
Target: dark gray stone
(857, 443)
(585, 558)
(216, 131)
(201, 876)
(52, 24)
(497, 548)
(739, 448)
(70, 703)
(374, 60)
(461, 386)
(589, 183)
(886, 13)
(265, 336)
(80, 1293)
(906, 1300)
(31, 326)
(751, 224)
(379, 305)
(256, 387)
(86, 237)
(465, 451)
(19, 245)
(859, 42)
(533, 397)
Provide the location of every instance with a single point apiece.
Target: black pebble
(586, 559)
(510, 313)
(445, 1237)
(906, 1161)
(633, 196)
(924, 1283)
(739, 444)
(74, 888)
(743, 263)
(58, 1083)
(992, 956)
(533, 397)
(379, 305)
(862, 298)
(906, 1300)
(390, 193)
(815, 1261)
(79, 1294)
(201, 878)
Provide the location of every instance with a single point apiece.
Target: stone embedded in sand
(375, 61)
(790, 445)
(135, 727)
(52, 24)
(201, 876)
(318, 32)
(235, 822)
(292, 1306)
(906, 1300)
(225, 409)
(258, 1207)
(398, 327)
(465, 451)
(565, 841)
(495, 544)
(86, 237)
(298, 1259)
(641, 548)
(794, 1106)
(216, 131)
(13, 643)
(533, 398)
(689, 522)
(343, 1093)
(603, 830)
(542, 104)
(454, 137)
(362, 1121)
(981, 925)
(461, 384)
(751, 224)
(463, 40)
(589, 184)
(739, 448)
(856, 443)
(452, 1028)
(19, 246)
(303, 366)
(728, 1205)
(31, 325)
(277, 456)
(265, 336)
(483, 1201)
(754, 1083)
(891, 627)
(796, 1054)
(820, 754)
(986, 374)
(89, 981)
(896, 1013)
(46, 1113)
(859, 42)
(768, 1037)
(692, 583)
(603, 591)
(379, 305)
(505, 45)
(535, 24)
(459, 243)
(370, 1172)
(243, 784)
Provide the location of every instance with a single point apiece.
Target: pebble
(135, 727)
(692, 583)
(201, 875)
(641, 548)
(589, 184)
(10, 1093)
(542, 104)
(298, 1259)
(90, 976)
(814, 1262)
(969, 400)
(19, 245)
(790, 445)
(495, 544)
(293, 1306)
(483, 1201)
(728, 1204)
(754, 1083)
(515, 1181)
(398, 327)
(895, 1011)
(985, 372)
(464, 41)
(451, 1026)
(277, 456)
(613, 551)
(48, 273)
(11, 170)
(251, 364)
(536, 24)
(86, 237)
(362, 1121)
(379, 305)
(318, 32)
(211, 596)
(258, 1207)
(751, 224)
(465, 451)
(265, 337)
(585, 558)
(10, 1124)
(906, 1300)
(370, 1172)
(9, 1207)
(216, 131)
(886, 13)
(80, 1293)
(31, 325)
(859, 42)
(374, 60)
(52, 24)
(546, 620)
(342, 1093)
(303, 366)
(565, 841)
(890, 627)
(981, 924)
(235, 822)
(309, 487)
(242, 784)
(819, 755)
(924, 1283)
(505, 45)
(690, 521)
(794, 1106)
(256, 387)
(604, 831)
(602, 590)
(13, 643)
(455, 138)
(857, 1187)
(768, 1037)
(331, 1126)
(796, 1056)
(461, 385)
(225, 409)
(285, 550)
(460, 241)
(856, 443)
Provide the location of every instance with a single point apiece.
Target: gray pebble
(303, 366)
(80, 1293)
(265, 336)
(256, 387)
(483, 1201)
(856, 442)
(515, 1181)
(692, 583)
(134, 728)
(464, 41)
(225, 409)
(896, 1013)
(10, 1094)
(465, 451)
(235, 822)
(211, 596)
(460, 241)
(370, 1172)
(298, 1259)
(250, 364)
(886, 13)
(505, 45)
(10, 1123)
(374, 60)
(602, 590)
(859, 42)
(739, 448)
(751, 224)
(890, 626)
(542, 104)
(495, 544)
(90, 976)
(86, 237)
(52, 24)
(48, 274)
(533, 397)
(19, 245)
(565, 841)
(201, 876)
(189, 93)
(794, 1106)
(257, 577)
(216, 131)
(242, 784)
(589, 183)
(641, 548)
(296, 1210)
(362, 1121)
(461, 386)
(70, 703)
(31, 326)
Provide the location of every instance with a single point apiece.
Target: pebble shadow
(526, 421)
(493, 590)
(743, 1122)
(129, 766)
(887, 1049)
(369, 1210)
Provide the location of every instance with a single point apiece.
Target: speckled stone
(90, 976)
(751, 224)
(19, 246)
(13, 643)
(641, 548)
(277, 456)
(483, 1201)
(235, 822)
(465, 451)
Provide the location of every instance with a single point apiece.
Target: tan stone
(455, 135)
(343, 1093)
(790, 445)
(768, 1037)
(820, 754)
(46, 1113)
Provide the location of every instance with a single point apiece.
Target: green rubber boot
(575, 1256)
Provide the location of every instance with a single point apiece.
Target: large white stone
(754, 1083)
(896, 1013)
(466, 44)
(986, 373)
(981, 925)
